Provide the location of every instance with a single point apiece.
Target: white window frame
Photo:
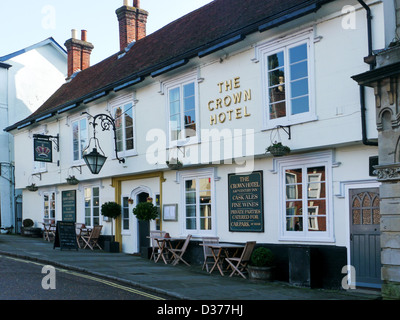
(39, 167)
(297, 162)
(167, 86)
(78, 120)
(125, 231)
(122, 102)
(91, 207)
(49, 194)
(284, 44)
(197, 174)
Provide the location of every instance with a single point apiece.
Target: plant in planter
(29, 230)
(111, 210)
(32, 187)
(145, 211)
(278, 150)
(72, 180)
(261, 264)
(174, 164)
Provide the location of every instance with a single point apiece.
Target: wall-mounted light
(96, 160)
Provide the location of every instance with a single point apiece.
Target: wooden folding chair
(208, 251)
(178, 253)
(92, 238)
(239, 264)
(154, 244)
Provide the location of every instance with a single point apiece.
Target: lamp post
(95, 160)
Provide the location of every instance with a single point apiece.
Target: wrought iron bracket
(54, 139)
(107, 123)
(287, 129)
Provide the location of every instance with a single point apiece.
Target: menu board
(65, 236)
(246, 205)
(69, 206)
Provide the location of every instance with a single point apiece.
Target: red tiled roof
(184, 38)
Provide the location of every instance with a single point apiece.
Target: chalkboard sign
(69, 206)
(246, 207)
(65, 236)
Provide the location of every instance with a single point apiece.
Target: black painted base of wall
(301, 265)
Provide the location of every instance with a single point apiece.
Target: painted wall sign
(229, 106)
(246, 205)
(43, 150)
(69, 206)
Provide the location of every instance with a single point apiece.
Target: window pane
(175, 124)
(277, 110)
(316, 224)
(174, 95)
(300, 105)
(190, 185)
(205, 223)
(188, 91)
(299, 88)
(298, 53)
(96, 192)
(294, 224)
(276, 60)
(294, 208)
(75, 140)
(294, 192)
(191, 197)
(317, 207)
(190, 211)
(191, 223)
(276, 77)
(299, 70)
(277, 94)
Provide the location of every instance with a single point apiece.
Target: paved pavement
(179, 282)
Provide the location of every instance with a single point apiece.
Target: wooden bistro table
(163, 245)
(221, 251)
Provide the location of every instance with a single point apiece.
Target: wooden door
(365, 250)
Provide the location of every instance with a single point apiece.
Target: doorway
(143, 226)
(365, 249)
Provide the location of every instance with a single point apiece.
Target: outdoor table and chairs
(92, 237)
(49, 229)
(81, 230)
(163, 246)
(221, 253)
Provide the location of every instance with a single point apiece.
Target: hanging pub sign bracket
(287, 129)
(43, 147)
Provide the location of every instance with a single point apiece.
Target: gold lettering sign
(230, 106)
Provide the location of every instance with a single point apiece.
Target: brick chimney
(78, 52)
(132, 23)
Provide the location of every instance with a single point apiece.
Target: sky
(27, 22)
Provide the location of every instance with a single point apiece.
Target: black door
(144, 226)
(365, 237)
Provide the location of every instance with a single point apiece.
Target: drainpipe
(362, 88)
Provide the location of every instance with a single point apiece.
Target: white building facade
(279, 79)
(28, 78)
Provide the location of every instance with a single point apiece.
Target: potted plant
(261, 264)
(174, 164)
(145, 211)
(278, 150)
(111, 210)
(72, 180)
(32, 187)
(28, 229)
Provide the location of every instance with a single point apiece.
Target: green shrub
(27, 223)
(145, 211)
(111, 210)
(262, 257)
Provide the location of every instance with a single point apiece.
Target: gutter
(362, 87)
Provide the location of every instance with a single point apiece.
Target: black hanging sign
(65, 236)
(43, 150)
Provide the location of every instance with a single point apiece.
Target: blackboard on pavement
(65, 236)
